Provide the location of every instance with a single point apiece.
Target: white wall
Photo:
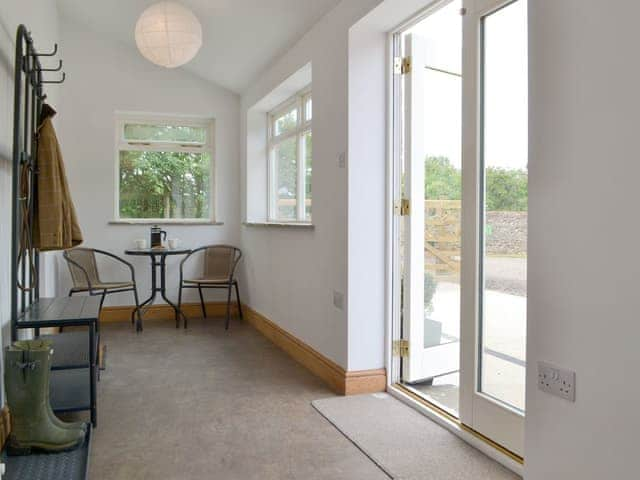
(104, 77)
(291, 273)
(583, 231)
(370, 179)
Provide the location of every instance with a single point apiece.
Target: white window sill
(164, 222)
(280, 224)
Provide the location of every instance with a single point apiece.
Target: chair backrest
(220, 261)
(82, 267)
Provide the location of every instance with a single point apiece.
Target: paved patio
(504, 333)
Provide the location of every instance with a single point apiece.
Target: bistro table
(158, 259)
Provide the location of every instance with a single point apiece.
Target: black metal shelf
(60, 312)
(70, 390)
(71, 350)
(75, 353)
(72, 465)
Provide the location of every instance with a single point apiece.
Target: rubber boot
(68, 425)
(26, 378)
(54, 418)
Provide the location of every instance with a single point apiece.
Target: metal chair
(86, 278)
(220, 262)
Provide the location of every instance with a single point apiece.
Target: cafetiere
(157, 236)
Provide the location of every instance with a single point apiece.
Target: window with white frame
(290, 158)
(164, 168)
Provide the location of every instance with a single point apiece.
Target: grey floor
(206, 404)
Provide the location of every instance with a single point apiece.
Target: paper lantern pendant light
(168, 34)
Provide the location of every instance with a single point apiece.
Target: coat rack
(28, 99)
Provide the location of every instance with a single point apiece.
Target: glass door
(462, 148)
(494, 298)
(503, 317)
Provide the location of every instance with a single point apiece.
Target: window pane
(307, 145)
(286, 168)
(164, 185)
(164, 133)
(308, 109)
(505, 158)
(286, 122)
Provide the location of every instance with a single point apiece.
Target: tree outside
(164, 184)
(506, 189)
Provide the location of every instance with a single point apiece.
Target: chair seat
(106, 286)
(208, 281)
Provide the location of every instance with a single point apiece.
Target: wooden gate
(442, 237)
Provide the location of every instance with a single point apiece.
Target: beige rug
(405, 444)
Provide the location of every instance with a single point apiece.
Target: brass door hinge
(402, 65)
(403, 208)
(401, 348)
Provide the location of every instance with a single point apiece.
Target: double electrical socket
(557, 381)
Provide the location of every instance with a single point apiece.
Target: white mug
(173, 243)
(141, 243)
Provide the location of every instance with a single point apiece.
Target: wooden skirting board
(165, 312)
(339, 380)
(5, 425)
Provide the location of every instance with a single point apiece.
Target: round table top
(157, 251)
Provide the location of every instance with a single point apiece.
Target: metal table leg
(163, 290)
(144, 306)
(92, 373)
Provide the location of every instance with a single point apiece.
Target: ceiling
(240, 37)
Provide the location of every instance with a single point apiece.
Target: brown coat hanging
(56, 223)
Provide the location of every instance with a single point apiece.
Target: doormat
(404, 443)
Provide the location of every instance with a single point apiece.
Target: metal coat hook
(57, 69)
(55, 50)
(64, 75)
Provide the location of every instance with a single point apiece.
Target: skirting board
(337, 378)
(340, 381)
(5, 425)
(165, 312)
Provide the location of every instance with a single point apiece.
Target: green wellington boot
(54, 418)
(26, 378)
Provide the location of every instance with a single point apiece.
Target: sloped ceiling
(241, 37)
